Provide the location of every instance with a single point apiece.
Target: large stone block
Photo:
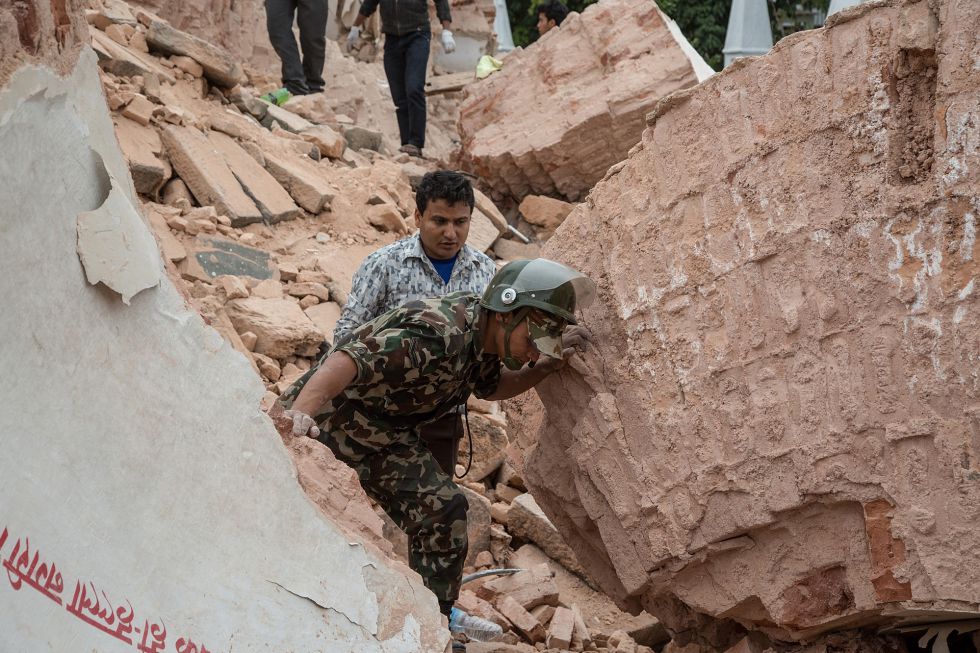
(219, 66)
(562, 111)
(526, 520)
(280, 324)
(777, 427)
(204, 170)
(271, 199)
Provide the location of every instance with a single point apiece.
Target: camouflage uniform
(414, 365)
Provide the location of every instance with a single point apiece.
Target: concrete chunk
(301, 178)
(139, 109)
(386, 217)
(560, 629)
(144, 153)
(205, 172)
(544, 212)
(123, 61)
(304, 289)
(483, 231)
(286, 119)
(170, 247)
(359, 138)
(330, 143)
(134, 449)
(472, 604)
(188, 65)
(112, 12)
(489, 209)
(280, 326)
(219, 66)
(523, 621)
(272, 200)
(324, 315)
(531, 587)
(526, 520)
(489, 445)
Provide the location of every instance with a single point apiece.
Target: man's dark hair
(444, 185)
(554, 10)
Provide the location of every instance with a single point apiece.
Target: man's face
(521, 346)
(443, 228)
(544, 24)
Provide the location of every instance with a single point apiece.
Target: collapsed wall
(148, 502)
(778, 427)
(563, 110)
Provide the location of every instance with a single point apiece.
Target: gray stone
(477, 524)
(527, 521)
(359, 138)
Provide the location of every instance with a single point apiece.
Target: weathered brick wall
(780, 422)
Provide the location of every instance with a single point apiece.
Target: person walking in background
(550, 15)
(405, 24)
(299, 76)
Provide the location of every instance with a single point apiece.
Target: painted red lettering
(158, 633)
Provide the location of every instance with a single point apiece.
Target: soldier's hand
(575, 339)
(303, 424)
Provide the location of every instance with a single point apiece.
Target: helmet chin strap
(516, 318)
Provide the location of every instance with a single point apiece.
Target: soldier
(414, 364)
(433, 262)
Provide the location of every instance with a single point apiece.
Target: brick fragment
(522, 620)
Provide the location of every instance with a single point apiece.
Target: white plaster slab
(133, 455)
(116, 248)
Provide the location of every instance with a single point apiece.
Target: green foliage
(703, 22)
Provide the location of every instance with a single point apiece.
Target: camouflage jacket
(401, 272)
(414, 364)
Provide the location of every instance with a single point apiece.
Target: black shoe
(411, 150)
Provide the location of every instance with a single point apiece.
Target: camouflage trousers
(398, 471)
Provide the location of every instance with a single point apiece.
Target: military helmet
(522, 286)
(539, 283)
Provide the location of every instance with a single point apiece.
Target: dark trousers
(442, 439)
(406, 58)
(299, 78)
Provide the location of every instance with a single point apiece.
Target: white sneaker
(475, 628)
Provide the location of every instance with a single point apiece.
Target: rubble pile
(238, 26)
(558, 114)
(263, 214)
(356, 89)
(551, 604)
(775, 431)
(264, 211)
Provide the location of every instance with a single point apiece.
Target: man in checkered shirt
(433, 262)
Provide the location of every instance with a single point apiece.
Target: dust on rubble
(263, 213)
